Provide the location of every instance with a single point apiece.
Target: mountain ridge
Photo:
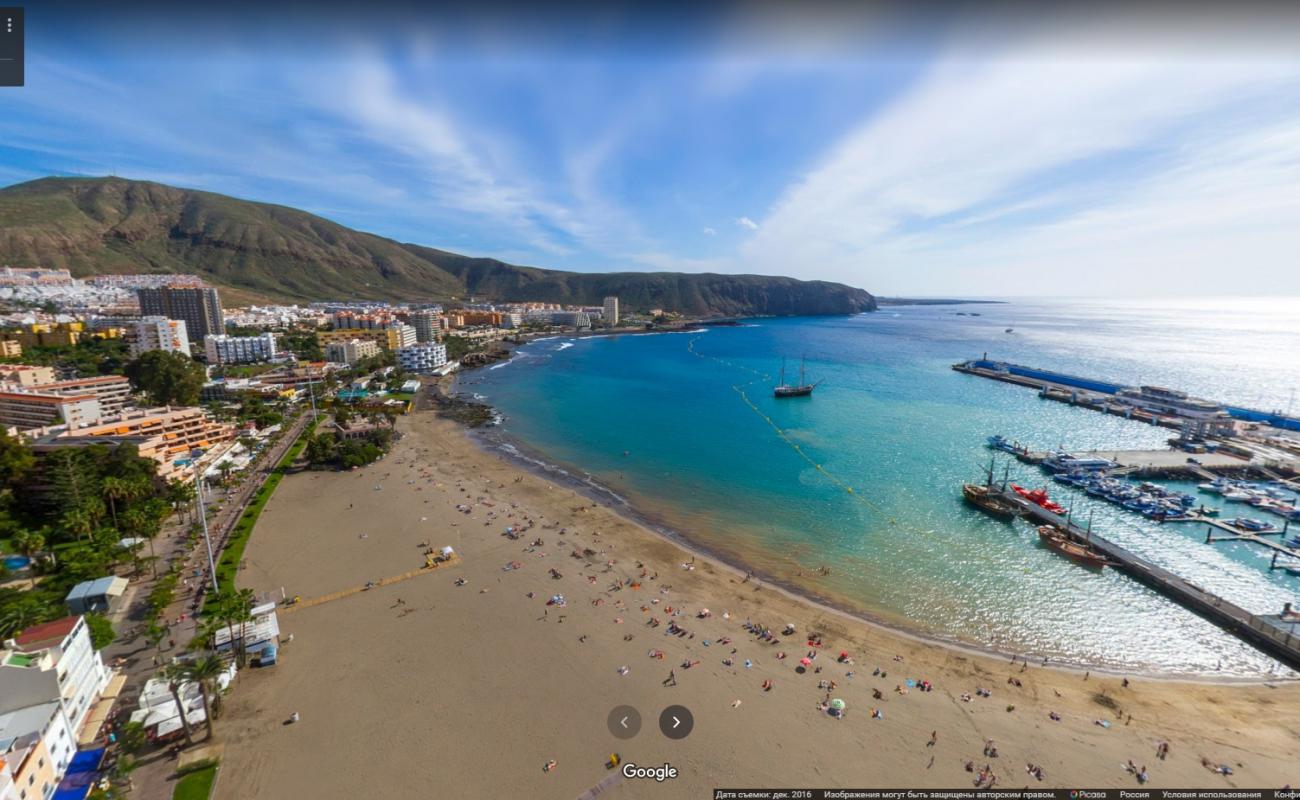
(260, 250)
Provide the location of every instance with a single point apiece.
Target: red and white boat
(1039, 498)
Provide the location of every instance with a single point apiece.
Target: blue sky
(928, 152)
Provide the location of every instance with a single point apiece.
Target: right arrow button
(676, 722)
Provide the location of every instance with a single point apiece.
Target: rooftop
(57, 630)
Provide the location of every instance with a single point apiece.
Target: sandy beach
(425, 688)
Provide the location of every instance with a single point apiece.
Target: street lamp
(193, 460)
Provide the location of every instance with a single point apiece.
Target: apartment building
(157, 333)
(165, 434)
(10, 349)
(427, 324)
(422, 358)
(390, 338)
(198, 306)
(224, 349)
(29, 409)
(21, 375)
(36, 745)
(54, 661)
(77, 402)
(352, 351)
(55, 692)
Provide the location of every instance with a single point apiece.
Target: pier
(1275, 634)
(1238, 535)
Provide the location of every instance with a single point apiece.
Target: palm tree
(19, 616)
(180, 494)
(114, 489)
(29, 542)
(78, 521)
(232, 608)
(204, 671)
(175, 680)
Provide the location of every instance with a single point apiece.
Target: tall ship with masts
(802, 389)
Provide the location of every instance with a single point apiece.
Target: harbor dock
(1275, 634)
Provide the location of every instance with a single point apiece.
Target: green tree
(180, 494)
(114, 489)
(29, 543)
(167, 378)
(101, 631)
(204, 671)
(175, 675)
(21, 610)
(16, 460)
(132, 737)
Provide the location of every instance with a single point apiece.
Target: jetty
(1233, 534)
(1278, 635)
(1099, 394)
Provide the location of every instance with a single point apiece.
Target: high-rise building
(351, 351)
(157, 333)
(200, 308)
(422, 357)
(427, 324)
(611, 311)
(223, 349)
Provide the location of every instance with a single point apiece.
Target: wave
(564, 346)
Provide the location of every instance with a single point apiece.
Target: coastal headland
(485, 683)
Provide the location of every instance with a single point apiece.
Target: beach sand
(424, 688)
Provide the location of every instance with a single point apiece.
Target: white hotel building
(220, 348)
(421, 358)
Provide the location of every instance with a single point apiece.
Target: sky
(911, 150)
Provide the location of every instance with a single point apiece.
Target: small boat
(1039, 498)
(986, 499)
(1252, 525)
(802, 389)
(1056, 539)
(1010, 330)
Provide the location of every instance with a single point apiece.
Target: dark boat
(987, 499)
(802, 389)
(1056, 539)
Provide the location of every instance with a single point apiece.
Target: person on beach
(671, 680)
(934, 738)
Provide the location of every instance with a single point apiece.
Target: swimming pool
(17, 562)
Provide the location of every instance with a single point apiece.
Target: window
(40, 762)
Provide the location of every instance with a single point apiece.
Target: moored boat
(1057, 540)
(801, 389)
(1039, 498)
(987, 499)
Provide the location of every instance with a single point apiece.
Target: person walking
(671, 680)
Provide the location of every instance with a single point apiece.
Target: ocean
(864, 477)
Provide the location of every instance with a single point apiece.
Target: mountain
(260, 251)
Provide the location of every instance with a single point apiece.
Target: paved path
(133, 654)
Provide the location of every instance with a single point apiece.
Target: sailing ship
(988, 499)
(801, 389)
(1057, 540)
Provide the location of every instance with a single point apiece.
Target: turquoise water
(694, 414)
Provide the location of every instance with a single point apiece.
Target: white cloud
(709, 232)
(987, 135)
(746, 222)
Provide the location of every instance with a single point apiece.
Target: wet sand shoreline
(494, 441)
(468, 691)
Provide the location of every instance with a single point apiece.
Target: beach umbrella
(805, 661)
(838, 704)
